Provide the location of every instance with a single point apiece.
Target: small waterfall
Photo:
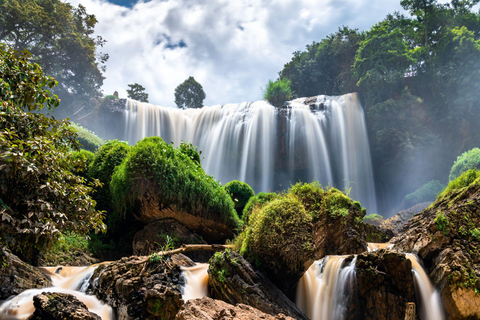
(270, 148)
(69, 280)
(372, 246)
(196, 281)
(428, 299)
(322, 293)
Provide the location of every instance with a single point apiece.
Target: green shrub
(110, 155)
(311, 195)
(427, 192)
(279, 237)
(441, 221)
(81, 159)
(461, 182)
(191, 151)
(174, 179)
(240, 192)
(468, 160)
(374, 219)
(257, 202)
(87, 139)
(277, 92)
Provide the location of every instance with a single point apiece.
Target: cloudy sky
(231, 47)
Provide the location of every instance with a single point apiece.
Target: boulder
(60, 306)
(446, 237)
(210, 309)
(233, 280)
(385, 286)
(153, 237)
(139, 290)
(17, 276)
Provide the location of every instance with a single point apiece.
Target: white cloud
(232, 47)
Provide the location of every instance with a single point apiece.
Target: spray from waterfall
(267, 147)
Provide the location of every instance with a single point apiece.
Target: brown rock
(17, 276)
(210, 309)
(393, 225)
(60, 306)
(232, 279)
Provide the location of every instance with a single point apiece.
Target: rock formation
(60, 306)
(17, 276)
(393, 225)
(209, 309)
(233, 280)
(446, 236)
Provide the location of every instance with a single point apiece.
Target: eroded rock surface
(60, 306)
(394, 225)
(137, 290)
(385, 286)
(232, 279)
(210, 309)
(17, 276)
(447, 238)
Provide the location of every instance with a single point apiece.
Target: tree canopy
(60, 38)
(189, 94)
(40, 197)
(137, 92)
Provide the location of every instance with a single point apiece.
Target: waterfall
(270, 148)
(428, 299)
(67, 280)
(322, 293)
(196, 281)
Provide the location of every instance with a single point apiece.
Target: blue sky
(232, 47)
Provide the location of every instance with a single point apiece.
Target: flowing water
(372, 246)
(196, 281)
(428, 299)
(70, 280)
(267, 147)
(322, 292)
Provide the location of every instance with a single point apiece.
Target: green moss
(441, 221)
(463, 181)
(373, 218)
(240, 192)
(88, 140)
(158, 169)
(257, 202)
(427, 192)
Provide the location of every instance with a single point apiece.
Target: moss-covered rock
(447, 237)
(257, 202)
(157, 181)
(240, 192)
(88, 140)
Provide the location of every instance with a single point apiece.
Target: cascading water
(323, 291)
(428, 298)
(196, 281)
(70, 280)
(269, 148)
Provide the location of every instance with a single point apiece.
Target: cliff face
(446, 236)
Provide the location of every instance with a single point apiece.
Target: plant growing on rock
(277, 92)
(87, 139)
(240, 192)
(156, 169)
(427, 192)
(40, 196)
(257, 202)
(467, 161)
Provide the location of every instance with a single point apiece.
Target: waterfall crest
(270, 148)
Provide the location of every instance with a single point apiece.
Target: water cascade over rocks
(196, 281)
(68, 280)
(269, 148)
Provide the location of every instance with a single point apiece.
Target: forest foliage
(419, 78)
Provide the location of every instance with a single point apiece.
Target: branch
(191, 247)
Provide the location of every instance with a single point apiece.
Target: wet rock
(210, 309)
(153, 236)
(384, 286)
(446, 237)
(233, 280)
(17, 276)
(60, 306)
(139, 290)
(377, 235)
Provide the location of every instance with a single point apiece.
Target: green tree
(137, 92)
(60, 38)
(40, 197)
(189, 94)
(277, 92)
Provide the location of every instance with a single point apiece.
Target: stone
(17, 276)
(233, 280)
(60, 306)
(393, 225)
(210, 309)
